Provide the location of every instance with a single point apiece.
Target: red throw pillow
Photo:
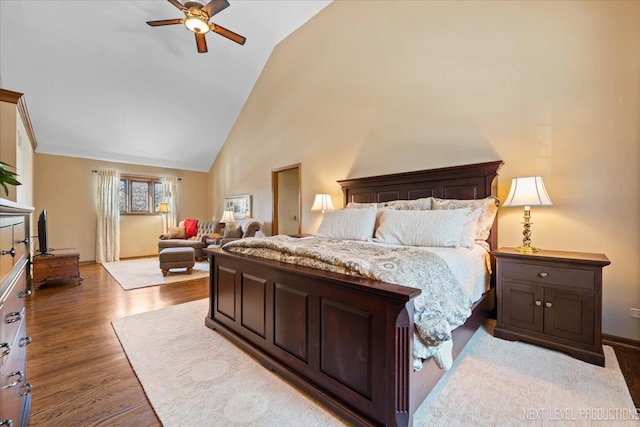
(190, 227)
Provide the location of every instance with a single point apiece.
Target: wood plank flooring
(80, 374)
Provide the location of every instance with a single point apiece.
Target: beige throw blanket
(442, 306)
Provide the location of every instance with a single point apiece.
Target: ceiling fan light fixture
(196, 25)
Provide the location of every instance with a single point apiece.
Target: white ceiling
(102, 84)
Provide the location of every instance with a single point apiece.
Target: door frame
(274, 192)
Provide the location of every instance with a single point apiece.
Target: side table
(552, 299)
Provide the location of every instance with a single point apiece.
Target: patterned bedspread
(442, 306)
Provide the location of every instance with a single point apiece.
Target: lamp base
(527, 249)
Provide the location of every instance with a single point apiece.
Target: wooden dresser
(15, 398)
(56, 264)
(552, 299)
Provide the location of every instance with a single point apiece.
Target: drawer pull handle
(23, 294)
(17, 316)
(25, 341)
(18, 374)
(538, 302)
(548, 304)
(6, 349)
(7, 423)
(543, 274)
(28, 387)
(11, 252)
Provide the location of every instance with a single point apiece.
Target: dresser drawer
(546, 274)
(13, 381)
(6, 243)
(12, 310)
(18, 242)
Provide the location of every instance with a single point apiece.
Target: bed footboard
(345, 340)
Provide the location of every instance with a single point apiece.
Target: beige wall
(66, 187)
(374, 87)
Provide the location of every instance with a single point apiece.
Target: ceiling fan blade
(227, 33)
(177, 4)
(201, 42)
(215, 6)
(164, 22)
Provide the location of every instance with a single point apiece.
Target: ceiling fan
(196, 19)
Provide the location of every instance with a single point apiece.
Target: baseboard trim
(615, 340)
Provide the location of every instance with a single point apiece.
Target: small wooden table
(56, 264)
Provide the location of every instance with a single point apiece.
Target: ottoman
(177, 258)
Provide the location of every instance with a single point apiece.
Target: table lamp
(322, 203)
(228, 219)
(527, 191)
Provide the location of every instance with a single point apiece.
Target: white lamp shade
(322, 203)
(528, 191)
(227, 217)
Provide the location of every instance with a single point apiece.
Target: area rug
(144, 272)
(190, 372)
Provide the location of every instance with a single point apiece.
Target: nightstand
(552, 299)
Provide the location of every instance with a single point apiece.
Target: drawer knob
(28, 387)
(5, 349)
(13, 317)
(543, 274)
(8, 423)
(25, 241)
(548, 304)
(538, 302)
(11, 252)
(18, 374)
(24, 341)
(23, 294)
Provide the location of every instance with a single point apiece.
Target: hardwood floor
(79, 372)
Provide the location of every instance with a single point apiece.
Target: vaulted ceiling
(102, 84)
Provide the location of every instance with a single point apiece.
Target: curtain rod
(136, 176)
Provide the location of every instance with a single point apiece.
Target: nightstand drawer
(542, 273)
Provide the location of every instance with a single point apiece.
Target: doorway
(286, 200)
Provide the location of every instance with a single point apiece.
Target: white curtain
(108, 210)
(170, 194)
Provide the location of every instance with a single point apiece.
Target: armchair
(246, 228)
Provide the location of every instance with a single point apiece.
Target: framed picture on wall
(239, 205)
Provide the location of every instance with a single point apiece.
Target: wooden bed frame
(345, 340)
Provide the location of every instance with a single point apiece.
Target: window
(139, 195)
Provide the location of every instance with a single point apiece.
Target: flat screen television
(42, 232)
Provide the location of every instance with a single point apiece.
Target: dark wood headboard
(475, 181)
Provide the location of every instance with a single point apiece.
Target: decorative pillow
(351, 224)
(177, 233)
(356, 205)
(422, 228)
(488, 208)
(191, 227)
(423, 204)
(234, 233)
(208, 237)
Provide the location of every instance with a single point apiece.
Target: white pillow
(468, 234)
(437, 228)
(351, 224)
(488, 209)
